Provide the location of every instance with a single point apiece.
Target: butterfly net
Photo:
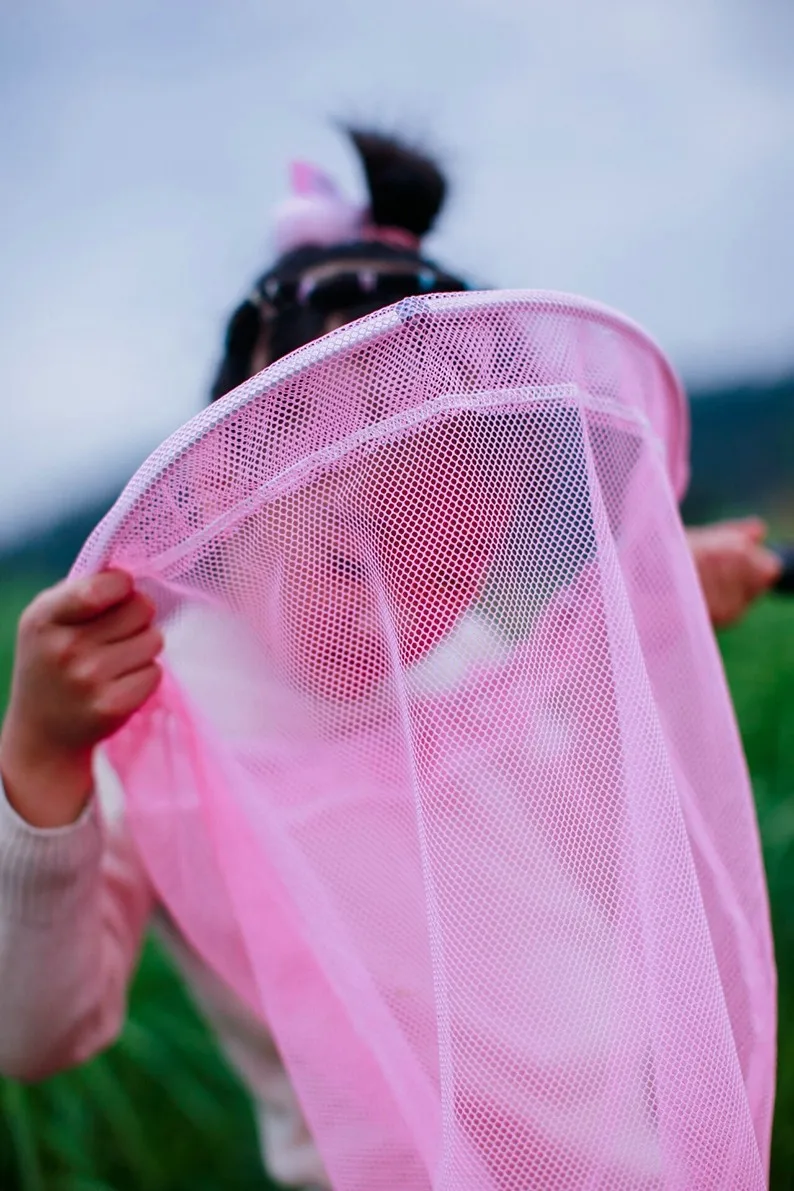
(443, 777)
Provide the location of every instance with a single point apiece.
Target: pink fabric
(395, 237)
(460, 808)
(317, 212)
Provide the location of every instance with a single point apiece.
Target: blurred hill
(742, 462)
(49, 552)
(743, 453)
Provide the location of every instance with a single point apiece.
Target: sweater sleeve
(74, 903)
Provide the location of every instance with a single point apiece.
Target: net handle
(785, 583)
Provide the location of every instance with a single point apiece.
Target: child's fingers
(754, 529)
(79, 601)
(123, 621)
(127, 694)
(125, 657)
(765, 568)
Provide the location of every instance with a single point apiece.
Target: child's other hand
(734, 566)
(86, 660)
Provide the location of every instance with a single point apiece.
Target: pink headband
(317, 212)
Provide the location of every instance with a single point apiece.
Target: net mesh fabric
(443, 778)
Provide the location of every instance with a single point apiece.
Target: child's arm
(73, 907)
(73, 896)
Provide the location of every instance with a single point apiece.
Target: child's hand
(86, 660)
(734, 566)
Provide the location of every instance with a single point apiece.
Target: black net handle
(785, 584)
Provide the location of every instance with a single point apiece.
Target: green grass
(162, 1111)
(759, 659)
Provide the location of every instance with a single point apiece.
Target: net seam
(288, 479)
(324, 349)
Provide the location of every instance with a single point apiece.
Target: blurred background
(640, 152)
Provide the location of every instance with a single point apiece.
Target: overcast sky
(636, 151)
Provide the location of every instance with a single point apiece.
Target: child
(74, 896)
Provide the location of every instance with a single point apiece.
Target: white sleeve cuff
(46, 872)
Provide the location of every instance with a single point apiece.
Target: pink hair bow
(317, 212)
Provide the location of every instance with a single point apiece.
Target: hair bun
(406, 188)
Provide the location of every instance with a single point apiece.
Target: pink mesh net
(444, 778)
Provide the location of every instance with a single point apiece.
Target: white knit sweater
(74, 903)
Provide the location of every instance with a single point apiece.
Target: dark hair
(407, 190)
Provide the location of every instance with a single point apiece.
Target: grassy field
(160, 1112)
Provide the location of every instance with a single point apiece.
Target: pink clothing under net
(443, 778)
